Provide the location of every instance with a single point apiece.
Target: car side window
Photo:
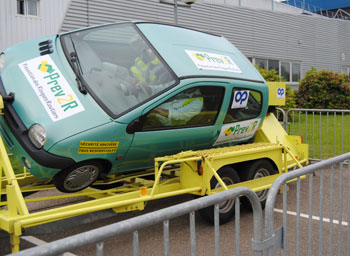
(245, 104)
(196, 106)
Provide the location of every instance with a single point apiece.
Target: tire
(227, 208)
(78, 177)
(258, 169)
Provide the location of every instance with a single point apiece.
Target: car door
(194, 128)
(243, 117)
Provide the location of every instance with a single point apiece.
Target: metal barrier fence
(330, 205)
(326, 200)
(325, 130)
(165, 215)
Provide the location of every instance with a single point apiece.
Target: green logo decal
(237, 129)
(45, 67)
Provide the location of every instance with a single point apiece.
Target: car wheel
(227, 208)
(77, 177)
(258, 169)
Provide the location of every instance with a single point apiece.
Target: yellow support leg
(14, 240)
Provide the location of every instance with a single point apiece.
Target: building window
(295, 72)
(261, 63)
(345, 70)
(273, 64)
(20, 7)
(28, 7)
(285, 70)
(288, 70)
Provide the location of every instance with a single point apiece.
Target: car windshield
(120, 69)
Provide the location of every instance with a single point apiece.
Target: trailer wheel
(227, 208)
(78, 177)
(258, 169)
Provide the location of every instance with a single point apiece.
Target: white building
(271, 34)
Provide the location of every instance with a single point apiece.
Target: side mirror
(136, 125)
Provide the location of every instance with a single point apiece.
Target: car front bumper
(15, 134)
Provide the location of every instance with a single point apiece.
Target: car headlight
(2, 61)
(37, 135)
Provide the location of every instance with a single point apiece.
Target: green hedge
(324, 89)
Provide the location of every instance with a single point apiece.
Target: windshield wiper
(77, 69)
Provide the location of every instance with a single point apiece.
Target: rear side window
(245, 104)
(196, 106)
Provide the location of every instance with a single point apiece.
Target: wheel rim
(227, 205)
(262, 172)
(81, 177)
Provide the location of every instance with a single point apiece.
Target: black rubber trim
(177, 26)
(18, 129)
(222, 77)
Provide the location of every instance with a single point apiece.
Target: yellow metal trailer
(192, 172)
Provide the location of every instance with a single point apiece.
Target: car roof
(178, 45)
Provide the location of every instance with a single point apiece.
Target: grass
(327, 136)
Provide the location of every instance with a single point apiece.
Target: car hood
(45, 91)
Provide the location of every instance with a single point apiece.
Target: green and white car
(108, 99)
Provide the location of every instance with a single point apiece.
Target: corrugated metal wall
(314, 41)
(15, 28)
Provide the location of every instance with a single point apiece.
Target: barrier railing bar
(306, 128)
(193, 233)
(340, 210)
(331, 211)
(310, 215)
(327, 133)
(320, 135)
(320, 110)
(135, 243)
(99, 249)
(342, 132)
(298, 218)
(285, 219)
(166, 237)
(237, 225)
(293, 123)
(348, 213)
(299, 122)
(335, 133)
(321, 212)
(313, 134)
(217, 229)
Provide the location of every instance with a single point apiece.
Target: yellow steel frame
(183, 173)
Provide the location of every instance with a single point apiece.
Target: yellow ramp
(273, 132)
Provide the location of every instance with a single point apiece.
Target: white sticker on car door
(237, 132)
(240, 99)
